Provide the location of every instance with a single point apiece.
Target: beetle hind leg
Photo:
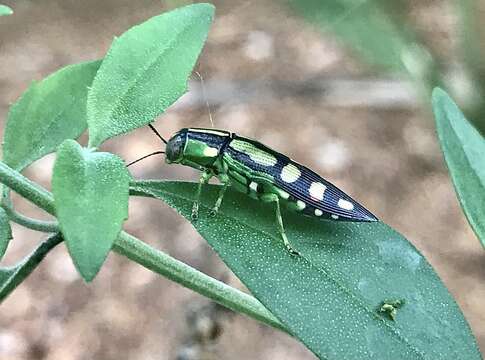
(273, 198)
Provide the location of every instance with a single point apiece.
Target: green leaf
(363, 26)
(5, 10)
(50, 111)
(11, 277)
(91, 201)
(464, 150)
(5, 232)
(333, 296)
(145, 71)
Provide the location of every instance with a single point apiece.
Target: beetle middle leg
(204, 179)
(224, 179)
(273, 198)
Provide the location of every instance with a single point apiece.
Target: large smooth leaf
(330, 296)
(145, 71)
(50, 111)
(11, 277)
(5, 10)
(363, 26)
(5, 232)
(91, 201)
(464, 150)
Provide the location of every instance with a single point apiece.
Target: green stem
(28, 222)
(12, 277)
(27, 188)
(34, 224)
(153, 259)
(191, 278)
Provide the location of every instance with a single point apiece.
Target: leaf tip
(206, 9)
(441, 103)
(438, 94)
(5, 10)
(88, 273)
(88, 267)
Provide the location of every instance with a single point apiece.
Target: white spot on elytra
(253, 186)
(318, 212)
(257, 155)
(335, 217)
(346, 205)
(210, 151)
(300, 204)
(317, 190)
(290, 173)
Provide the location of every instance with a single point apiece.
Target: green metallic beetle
(260, 172)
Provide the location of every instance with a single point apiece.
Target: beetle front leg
(274, 198)
(224, 179)
(204, 179)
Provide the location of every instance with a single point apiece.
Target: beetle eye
(175, 147)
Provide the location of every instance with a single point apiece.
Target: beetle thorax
(198, 148)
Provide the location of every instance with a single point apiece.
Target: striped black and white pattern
(312, 194)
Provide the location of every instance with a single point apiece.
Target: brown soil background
(386, 156)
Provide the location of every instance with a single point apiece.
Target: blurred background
(342, 86)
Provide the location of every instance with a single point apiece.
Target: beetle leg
(204, 179)
(273, 198)
(225, 184)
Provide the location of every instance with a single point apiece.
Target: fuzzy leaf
(332, 296)
(50, 111)
(5, 232)
(145, 71)
(91, 201)
(464, 150)
(11, 277)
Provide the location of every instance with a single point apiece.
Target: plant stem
(28, 222)
(15, 275)
(153, 259)
(189, 277)
(33, 192)
(34, 224)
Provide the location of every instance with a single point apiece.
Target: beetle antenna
(158, 134)
(202, 86)
(144, 157)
